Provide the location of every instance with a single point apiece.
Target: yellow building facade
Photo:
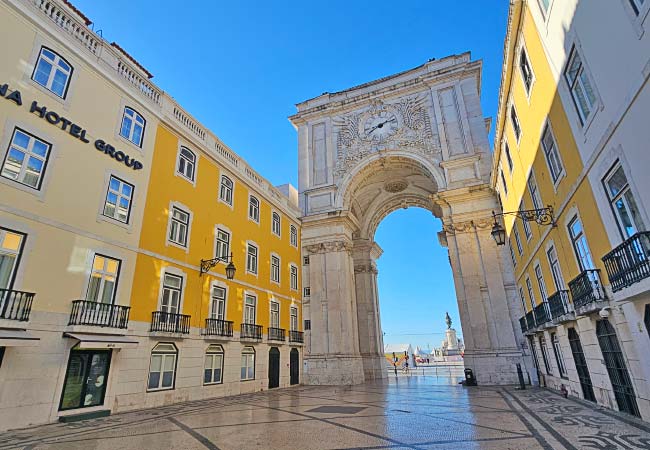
(560, 276)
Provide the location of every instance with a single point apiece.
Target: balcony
(218, 328)
(297, 337)
(15, 305)
(542, 314)
(251, 332)
(587, 292)
(629, 263)
(561, 310)
(530, 321)
(276, 334)
(522, 324)
(99, 314)
(170, 323)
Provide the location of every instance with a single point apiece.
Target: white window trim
(144, 128)
(531, 291)
(110, 252)
(254, 353)
(517, 237)
(505, 144)
(279, 234)
(522, 48)
(172, 271)
(537, 264)
(224, 286)
(562, 174)
(103, 205)
(132, 215)
(196, 164)
(255, 274)
(30, 69)
(294, 265)
(176, 355)
(547, 14)
(297, 235)
(186, 210)
(273, 300)
(248, 292)
(227, 230)
(522, 298)
(259, 208)
(223, 363)
(551, 244)
(271, 267)
(219, 199)
(511, 105)
(569, 216)
(571, 42)
(89, 271)
(291, 307)
(526, 224)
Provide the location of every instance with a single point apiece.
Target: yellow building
(537, 164)
(106, 214)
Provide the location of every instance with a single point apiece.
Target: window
(26, 159)
(294, 277)
(293, 232)
(222, 248)
(52, 72)
(557, 350)
(514, 121)
(225, 193)
(11, 248)
(542, 345)
(186, 163)
(218, 310)
(558, 279)
(275, 315)
(119, 197)
(171, 293)
(275, 268)
(307, 292)
(552, 155)
(527, 231)
(251, 259)
(523, 298)
(305, 260)
(535, 196)
(584, 97)
(293, 321)
(275, 227)
(544, 5)
(517, 240)
(503, 180)
(307, 324)
(133, 125)
(636, 5)
(526, 71)
(531, 294)
(254, 209)
(248, 364)
(103, 279)
(179, 222)
(623, 203)
(506, 149)
(512, 255)
(162, 368)
(540, 282)
(580, 245)
(213, 367)
(250, 306)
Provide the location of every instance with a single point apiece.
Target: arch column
(371, 343)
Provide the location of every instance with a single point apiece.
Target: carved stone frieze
(468, 225)
(394, 186)
(329, 247)
(366, 268)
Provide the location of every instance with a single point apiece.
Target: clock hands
(380, 125)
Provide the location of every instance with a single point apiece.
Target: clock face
(380, 126)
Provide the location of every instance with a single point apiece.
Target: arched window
(133, 125)
(213, 367)
(162, 369)
(276, 223)
(52, 72)
(225, 193)
(186, 163)
(248, 364)
(293, 236)
(254, 208)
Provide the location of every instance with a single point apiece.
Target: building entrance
(85, 379)
(294, 366)
(274, 367)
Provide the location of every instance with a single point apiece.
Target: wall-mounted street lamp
(543, 216)
(207, 264)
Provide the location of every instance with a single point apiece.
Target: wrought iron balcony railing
(629, 263)
(250, 331)
(296, 336)
(276, 334)
(170, 322)
(15, 305)
(97, 314)
(218, 327)
(542, 314)
(530, 320)
(586, 288)
(558, 304)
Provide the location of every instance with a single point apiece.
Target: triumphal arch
(414, 139)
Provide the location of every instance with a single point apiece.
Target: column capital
(366, 268)
(329, 247)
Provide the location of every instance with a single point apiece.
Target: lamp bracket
(542, 216)
(207, 264)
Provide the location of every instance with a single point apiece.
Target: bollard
(520, 375)
(469, 378)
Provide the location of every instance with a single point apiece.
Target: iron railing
(522, 324)
(629, 263)
(98, 314)
(542, 314)
(218, 327)
(170, 323)
(296, 336)
(558, 304)
(530, 320)
(15, 305)
(586, 288)
(276, 334)
(251, 331)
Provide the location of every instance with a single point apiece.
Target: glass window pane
(154, 380)
(168, 379)
(169, 362)
(42, 74)
(617, 182)
(126, 127)
(207, 375)
(156, 363)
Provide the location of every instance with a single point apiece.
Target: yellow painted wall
(208, 211)
(544, 102)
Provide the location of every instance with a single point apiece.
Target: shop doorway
(274, 367)
(294, 367)
(85, 379)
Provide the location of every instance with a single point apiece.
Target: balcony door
(580, 245)
(294, 366)
(11, 249)
(85, 379)
(218, 303)
(171, 293)
(103, 279)
(274, 367)
(249, 309)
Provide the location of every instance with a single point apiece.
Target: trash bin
(469, 378)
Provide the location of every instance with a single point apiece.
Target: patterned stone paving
(404, 413)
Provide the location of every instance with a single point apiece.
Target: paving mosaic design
(407, 413)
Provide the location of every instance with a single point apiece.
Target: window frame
(541, 284)
(514, 123)
(583, 120)
(163, 354)
(533, 190)
(306, 291)
(220, 243)
(18, 254)
(293, 314)
(522, 297)
(293, 235)
(555, 178)
(131, 133)
(119, 197)
(193, 164)
(228, 190)
(253, 297)
(559, 357)
(224, 300)
(188, 226)
(506, 151)
(102, 281)
(528, 232)
(621, 195)
(27, 154)
(247, 350)
(251, 208)
(515, 231)
(180, 290)
(252, 257)
(293, 277)
(523, 58)
(531, 293)
(503, 181)
(583, 238)
(274, 304)
(275, 267)
(50, 76)
(544, 351)
(276, 224)
(554, 262)
(213, 350)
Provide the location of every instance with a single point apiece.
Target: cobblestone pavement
(404, 413)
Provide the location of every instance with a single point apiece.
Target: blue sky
(240, 67)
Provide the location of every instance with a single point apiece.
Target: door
(616, 368)
(85, 379)
(581, 366)
(294, 366)
(274, 367)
